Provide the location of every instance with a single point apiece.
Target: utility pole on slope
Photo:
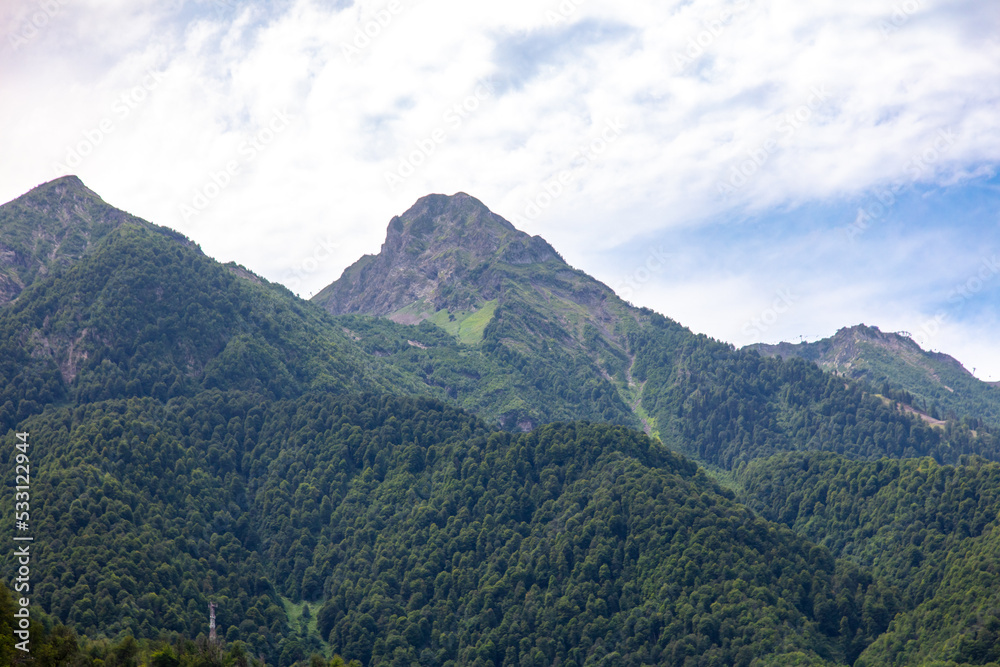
(211, 622)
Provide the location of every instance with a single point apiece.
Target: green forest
(420, 535)
(926, 529)
(349, 490)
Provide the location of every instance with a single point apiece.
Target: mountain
(141, 311)
(938, 383)
(136, 309)
(444, 253)
(50, 227)
(337, 481)
(201, 435)
(556, 335)
(545, 342)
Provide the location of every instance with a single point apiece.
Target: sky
(756, 170)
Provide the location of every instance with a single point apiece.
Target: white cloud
(701, 89)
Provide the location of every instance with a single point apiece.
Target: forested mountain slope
(940, 386)
(929, 531)
(145, 313)
(420, 535)
(727, 407)
(341, 482)
(559, 335)
(51, 227)
(960, 624)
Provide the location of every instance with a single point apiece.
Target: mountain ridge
(280, 456)
(941, 385)
(51, 226)
(549, 316)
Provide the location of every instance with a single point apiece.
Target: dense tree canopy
(928, 530)
(420, 535)
(350, 486)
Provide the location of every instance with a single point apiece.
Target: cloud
(724, 112)
(522, 57)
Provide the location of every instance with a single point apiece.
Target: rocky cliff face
(443, 253)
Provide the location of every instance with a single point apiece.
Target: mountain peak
(462, 222)
(51, 225)
(867, 352)
(899, 341)
(844, 350)
(439, 204)
(436, 255)
(71, 181)
(57, 193)
(509, 296)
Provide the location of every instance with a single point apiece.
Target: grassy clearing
(471, 329)
(295, 613)
(466, 325)
(450, 321)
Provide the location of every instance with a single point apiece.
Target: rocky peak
(439, 223)
(441, 252)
